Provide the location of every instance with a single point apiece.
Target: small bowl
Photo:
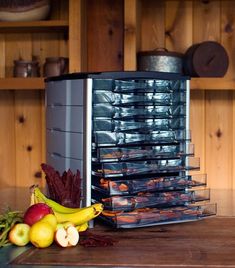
(24, 10)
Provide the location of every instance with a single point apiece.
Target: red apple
(36, 212)
(19, 234)
(67, 237)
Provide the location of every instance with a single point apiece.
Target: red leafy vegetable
(65, 189)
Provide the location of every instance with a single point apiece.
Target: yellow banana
(78, 218)
(80, 228)
(39, 197)
(32, 199)
(83, 227)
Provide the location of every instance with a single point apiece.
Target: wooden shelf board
(208, 83)
(46, 25)
(38, 83)
(22, 83)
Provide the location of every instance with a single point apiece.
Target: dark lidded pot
(206, 59)
(160, 60)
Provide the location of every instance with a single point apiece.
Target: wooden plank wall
(22, 115)
(104, 35)
(116, 30)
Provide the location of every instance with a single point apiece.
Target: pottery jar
(55, 66)
(24, 68)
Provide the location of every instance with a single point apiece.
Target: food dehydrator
(128, 134)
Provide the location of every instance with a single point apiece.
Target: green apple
(19, 234)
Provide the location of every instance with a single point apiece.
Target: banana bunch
(78, 216)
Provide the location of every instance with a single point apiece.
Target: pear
(51, 219)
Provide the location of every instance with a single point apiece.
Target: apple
(67, 237)
(19, 234)
(36, 212)
(64, 225)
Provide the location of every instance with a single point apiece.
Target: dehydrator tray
(140, 85)
(121, 169)
(154, 216)
(106, 138)
(138, 126)
(151, 184)
(153, 199)
(138, 112)
(156, 98)
(115, 154)
(148, 85)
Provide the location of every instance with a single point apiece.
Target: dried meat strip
(88, 239)
(65, 189)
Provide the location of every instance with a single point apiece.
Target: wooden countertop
(206, 243)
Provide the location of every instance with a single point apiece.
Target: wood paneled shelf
(206, 83)
(38, 83)
(28, 26)
(22, 83)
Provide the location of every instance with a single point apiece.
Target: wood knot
(120, 55)
(38, 174)
(218, 133)
(228, 28)
(21, 119)
(29, 148)
(205, 1)
(110, 32)
(168, 33)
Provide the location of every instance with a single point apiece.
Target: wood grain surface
(131, 34)
(205, 243)
(22, 133)
(210, 124)
(152, 23)
(105, 35)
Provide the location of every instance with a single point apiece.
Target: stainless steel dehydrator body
(128, 134)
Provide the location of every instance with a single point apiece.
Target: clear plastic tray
(105, 138)
(120, 169)
(154, 199)
(157, 216)
(104, 84)
(156, 98)
(146, 85)
(108, 154)
(143, 126)
(139, 112)
(136, 185)
(149, 85)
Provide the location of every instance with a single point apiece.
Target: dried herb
(65, 189)
(7, 220)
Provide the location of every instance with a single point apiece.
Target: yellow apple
(19, 234)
